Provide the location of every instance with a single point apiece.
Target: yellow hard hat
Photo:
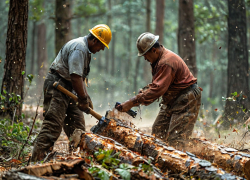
(103, 33)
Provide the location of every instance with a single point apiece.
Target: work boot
(39, 153)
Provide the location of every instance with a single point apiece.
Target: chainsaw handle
(75, 98)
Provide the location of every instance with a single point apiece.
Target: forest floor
(230, 138)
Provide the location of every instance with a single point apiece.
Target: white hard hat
(145, 41)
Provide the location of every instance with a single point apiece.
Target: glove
(125, 107)
(90, 102)
(83, 104)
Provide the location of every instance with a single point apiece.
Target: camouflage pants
(59, 112)
(175, 121)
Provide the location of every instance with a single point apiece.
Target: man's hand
(84, 101)
(83, 104)
(126, 106)
(90, 103)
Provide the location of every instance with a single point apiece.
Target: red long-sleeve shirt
(170, 76)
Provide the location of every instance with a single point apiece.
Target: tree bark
(129, 40)
(109, 22)
(63, 17)
(166, 158)
(113, 70)
(16, 43)
(228, 159)
(186, 34)
(211, 84)
(92, 143)
(32, 65)
(137, 68)
(159, 29)
(238, 68)
(146, 65)
(148, 15)
(42, 56)
(70, 166)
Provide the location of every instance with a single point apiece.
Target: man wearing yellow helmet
(70, 68)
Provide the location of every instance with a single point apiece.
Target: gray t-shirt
(73, 58)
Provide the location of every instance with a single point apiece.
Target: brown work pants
(175, 121)
(59, 111)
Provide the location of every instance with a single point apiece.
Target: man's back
(75, 50)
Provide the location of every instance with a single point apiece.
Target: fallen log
(226, 158)
(229, 159)
(92, 143)
(164, 157)
(13, 175)
(72, 166)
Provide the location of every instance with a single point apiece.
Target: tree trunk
(129, 40)
(66, 167)
(63, 24)
(113, 70)
(148, 15)
(186, 34)
(159, 29)
(32, 67)
(145, 64)
(92, 143)
(228, 159)
(79, 27)
(166, 158)
(137, 68)
(211, 85)
(16, 43)
(238, 71)
(109, 21)
(42, 57)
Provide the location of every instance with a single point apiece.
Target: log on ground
(72, 169)
(164, 157)
(226, 158)
(92, 143)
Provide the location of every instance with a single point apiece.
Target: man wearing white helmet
(173, 81)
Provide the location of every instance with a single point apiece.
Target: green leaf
(125, 174)
(93, 170)
(23, 116)
(19, 97)
(10, 99)
(14, 131)
(30, 77)
(23, 72)
(4, 92)
(103, 175)
(234, 94)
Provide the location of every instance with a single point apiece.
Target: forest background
(117, 74)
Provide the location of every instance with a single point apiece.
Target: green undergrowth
(14, 130)
(110, 163)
